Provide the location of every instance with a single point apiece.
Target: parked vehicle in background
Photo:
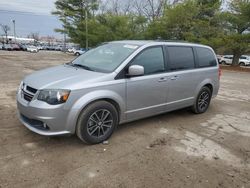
(58, 48)
(49, 47)
(244, 60)
(7, 47)
(118, 82)
(32, 49)
(228, 60)
(45, 47)
(23, 47)
(40, 47)
(71, 50)
(79, 52)
(219, 58)
(15, 47)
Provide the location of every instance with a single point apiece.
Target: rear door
(182, 76)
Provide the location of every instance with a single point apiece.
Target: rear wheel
(97, 122)
(203, 100)
(223, 63)
(242, 64)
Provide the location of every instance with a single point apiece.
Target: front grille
(31, 89)
(28, 92)
(27, 96)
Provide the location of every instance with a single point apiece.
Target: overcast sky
(31, 16)
(43, 7)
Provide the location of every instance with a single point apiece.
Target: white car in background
(244, 60)
(79, 52)
(32, 49)
(71, 50)
(228, 59)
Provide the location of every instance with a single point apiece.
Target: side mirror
(135, 70)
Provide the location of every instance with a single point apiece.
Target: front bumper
(42, 118)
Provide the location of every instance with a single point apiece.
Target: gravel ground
(177, 149)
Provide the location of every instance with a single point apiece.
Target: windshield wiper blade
(82, 66)
(68, 63)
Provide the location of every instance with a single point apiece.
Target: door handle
(174, 78)
(163, 79)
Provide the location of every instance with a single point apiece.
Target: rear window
(206, 57)
(181, 58)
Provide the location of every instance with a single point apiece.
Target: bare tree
(117, 7)
(113, 7)
(154, 8)
(103, 6)
(5, 29)
(34, 36)
(151, 9)
(127, 7)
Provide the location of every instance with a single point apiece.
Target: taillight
(219, 72)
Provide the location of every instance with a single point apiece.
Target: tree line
(223, 26)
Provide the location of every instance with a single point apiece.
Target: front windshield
(105, 58)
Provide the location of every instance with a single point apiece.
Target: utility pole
(86, 26)
(64, 42)
(14, 24)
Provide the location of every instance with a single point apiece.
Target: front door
(146, 95)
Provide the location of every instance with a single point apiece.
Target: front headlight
(53, 97)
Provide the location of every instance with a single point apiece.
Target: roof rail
(162, 40)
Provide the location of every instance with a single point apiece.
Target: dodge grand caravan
(115, 83)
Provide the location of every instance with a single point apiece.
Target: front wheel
(202, 101)
(223, 62)
(242, 64)
(97, 122)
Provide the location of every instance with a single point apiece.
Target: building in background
(22, 40)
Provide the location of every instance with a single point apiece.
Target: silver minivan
(117, 82)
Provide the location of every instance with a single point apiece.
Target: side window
(151, 59)
(206, 57)
(180, 57)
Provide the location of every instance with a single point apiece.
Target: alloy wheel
(99, 123)
(203, 100)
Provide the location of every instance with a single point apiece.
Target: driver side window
(151, 59)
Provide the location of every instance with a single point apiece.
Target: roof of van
(146, 42)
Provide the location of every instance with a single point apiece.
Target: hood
(61, 77)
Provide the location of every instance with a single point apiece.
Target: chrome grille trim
(28, 92)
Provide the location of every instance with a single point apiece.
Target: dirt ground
(236, 68)
(177, 149)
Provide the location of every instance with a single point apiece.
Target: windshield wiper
(68, 63)
(81, 66)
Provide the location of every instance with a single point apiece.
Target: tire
(223, 63)
(242, 64)
(97, 122)
(202, 101)
(77, 53)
